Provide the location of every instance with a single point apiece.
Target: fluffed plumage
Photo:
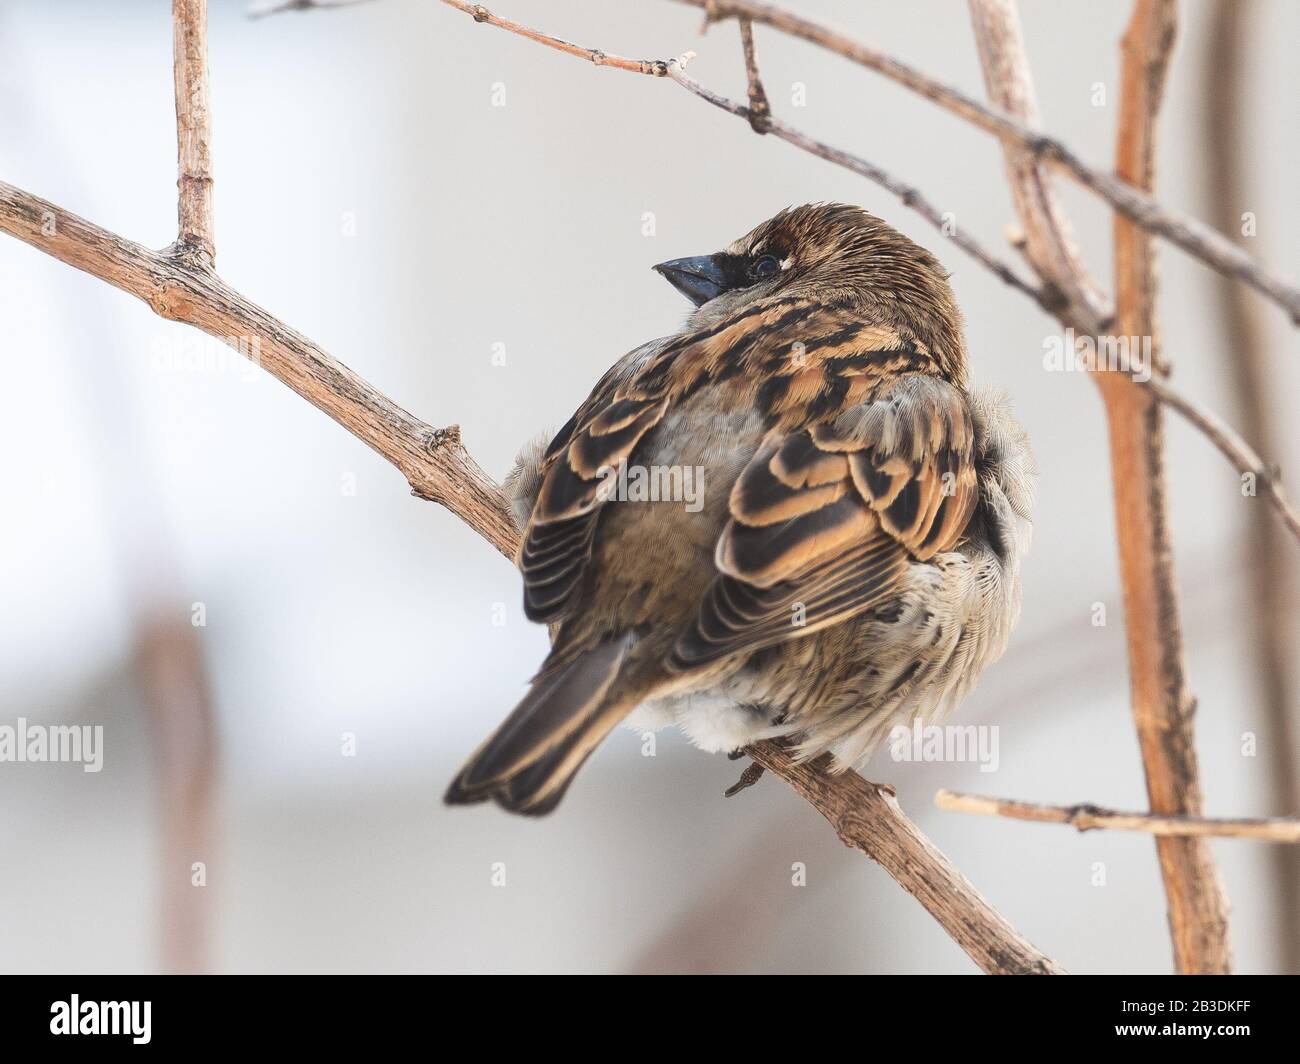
(854, 560)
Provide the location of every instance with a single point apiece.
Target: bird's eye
(764, 267)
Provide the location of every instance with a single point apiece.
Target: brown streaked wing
(911, 457)
(824, 520)
(557, 542)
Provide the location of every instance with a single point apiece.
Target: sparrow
(852, 562)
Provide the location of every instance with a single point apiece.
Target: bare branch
(654, 67)
(759, 109)
(1194, 237)
(1163, 706)
(1240, 454)
(193, 130)
(867, 817)
(432, 460)
(1048, 242)
(1088, 817)
(910, 196)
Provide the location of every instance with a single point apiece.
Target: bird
(852, 558)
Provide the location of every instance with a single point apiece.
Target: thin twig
(1088, 817)
(1241, 455)
(760, 111)
(910, 196)
(1194, 237)
(656, 68)
(1048, 299)
(1048, 241)
(193, 131)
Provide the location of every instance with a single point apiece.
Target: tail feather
(527, 764)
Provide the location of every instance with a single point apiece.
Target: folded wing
(825, 519)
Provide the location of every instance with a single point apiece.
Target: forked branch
(1134, 203)
(1085, 313)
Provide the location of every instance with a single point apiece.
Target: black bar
(335, 1013)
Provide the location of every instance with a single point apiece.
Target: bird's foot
(752, 774)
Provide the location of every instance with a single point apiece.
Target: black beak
(699, 279)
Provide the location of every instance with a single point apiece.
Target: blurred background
(290, 656)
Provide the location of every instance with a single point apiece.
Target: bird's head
(836, 254)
